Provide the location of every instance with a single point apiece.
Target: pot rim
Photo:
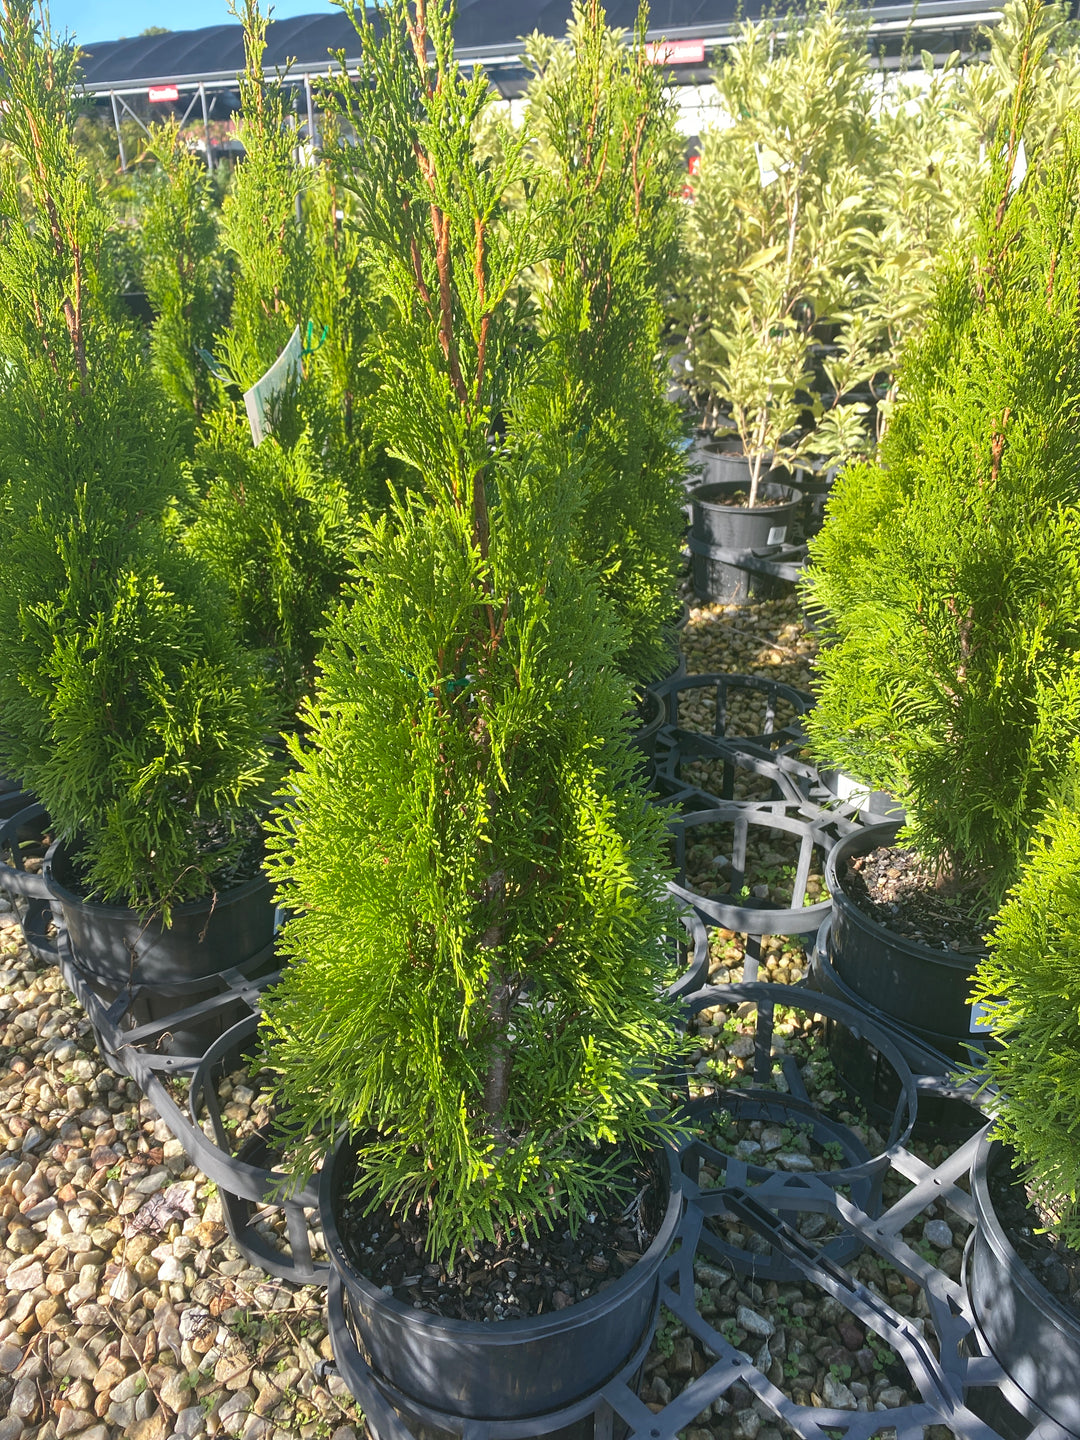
(215, 900)
(499, 1331)
(989, 1155)
(721, 486)
(860, 842)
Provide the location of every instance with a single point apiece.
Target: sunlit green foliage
(474, 871)
(950, 573)
(125, 702)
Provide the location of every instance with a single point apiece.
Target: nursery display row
(802, 1196)
(630, 1029)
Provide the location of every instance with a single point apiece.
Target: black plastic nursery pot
(948, 1104)
(121, 946)
(20, 834)
(715, 526)
(509, 1370)
(165, 983)
(1033, 1337)
(914, 985)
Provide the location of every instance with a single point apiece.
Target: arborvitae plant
(949, 573)
(601, 126)
(1030, 984)
(183, 269)
(276, 522)
(260, 218)
(276, 527)
(125, 703)
(472, 867)
(937, 138)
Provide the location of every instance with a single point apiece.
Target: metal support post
(206, 130)
(119, 137)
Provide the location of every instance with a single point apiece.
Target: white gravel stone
(753, 1323)
(837, 1396)
(939, 1235)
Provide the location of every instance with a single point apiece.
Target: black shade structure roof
(487, 32)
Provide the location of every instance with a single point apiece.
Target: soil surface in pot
(1030, 1230)
(740, 499)
(523, 1276)
(893, 887)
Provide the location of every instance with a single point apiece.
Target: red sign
(161, 93)
(694, 164)
(676, 52)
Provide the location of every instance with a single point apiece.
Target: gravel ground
(810, 1347)
(125, 1310)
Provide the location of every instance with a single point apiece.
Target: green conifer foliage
(124, 701)
(950, 573)
(474, 871)
(276, 522)
(601, 126)
(1031, 986)
(183, 269)
(275, 526)
(260, 218)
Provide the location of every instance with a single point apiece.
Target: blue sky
(109, 19)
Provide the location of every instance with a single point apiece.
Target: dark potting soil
(524, 1275)
(1053, 1264)
(892, 886)
(740, 499)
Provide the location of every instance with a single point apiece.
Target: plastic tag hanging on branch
(263, 400)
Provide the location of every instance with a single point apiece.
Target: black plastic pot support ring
(723, 685)
(814, 829)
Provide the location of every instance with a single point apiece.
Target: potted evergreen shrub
(185, 270)
(126, 703)
(946, 577)
(601, 129)
(275, 520)
(474, 872)
(773, 241)
(1026, 1177)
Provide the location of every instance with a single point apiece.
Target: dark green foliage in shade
(601, 126)
(1030, 984)
(475, 875)
(125, 703)
(950, 573)
(274, 526)
(184, 270)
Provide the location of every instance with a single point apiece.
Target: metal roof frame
(883, 20)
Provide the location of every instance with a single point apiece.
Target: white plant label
(776, 535)
(259, 400)
(982, 1018)
(848, 788)
(769, 164)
